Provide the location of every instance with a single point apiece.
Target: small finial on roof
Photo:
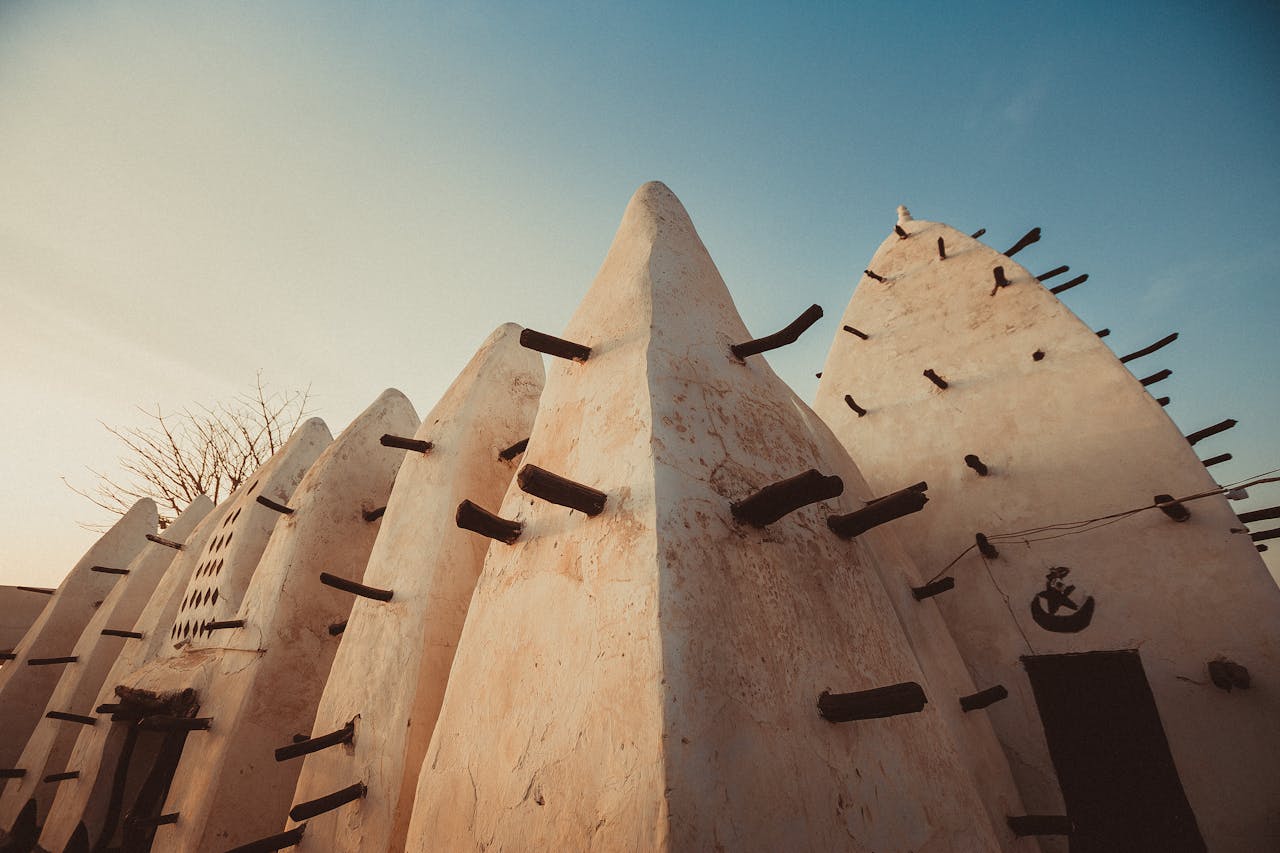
(904, 215)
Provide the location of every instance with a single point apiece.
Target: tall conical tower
(676, 651)
(1084, 558)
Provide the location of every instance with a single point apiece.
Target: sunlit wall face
(350, 198)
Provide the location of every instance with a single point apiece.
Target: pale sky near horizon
(351, 196)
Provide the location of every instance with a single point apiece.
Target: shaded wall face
(1067, 435)
(18, 610)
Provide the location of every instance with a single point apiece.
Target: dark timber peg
(935, 378)
(976, 464)
(315, 744)
(59, 777)
(514, 450)
(976, 234)
(902, 234)
(1032, 236)
(108, 570)
(1156, 377)
(1171, 507)
(1220, 426)
(1160, 344)
(1067, 285)
(1040, 824)
(355, 588)
(158, 820)
(985, 547)
(998, 274)
(1038, 355)
(1260, 514)
(51, 661)
(851, 330)
(166, 723)
(983, 698)
(337, 628)
(785, 496)
(1103, 333)
(1214, 460)
(227, 623)
(929, 590)
(942, 249)
(849, 402)
(787, 335)
(116, 632)
(8, 656)
(272, 843)
(72, 718)
(270, 504)
(320, 805)
(878, 511)
(12, 773)
(374, 514)
(403, 443)
(1264, 535)
(541, 483)
(1163, 401)
(1053, 272)
(168, 543)
(905, 698)
(870, 274)
(480, 520)
(558, 347)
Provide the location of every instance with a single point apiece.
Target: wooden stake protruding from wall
(1163, 401)
(60, 777)
(514, 450)
(270, 844)
(479, 520)
(933, 377)
(776, 500)
(1264, 535)
(1172, 508)
(1260, 514)
(1080, 279)
(976, 464)
(51, 661)
(551, 345)
(108, 570)
(976, 234)
(12, 773)
(942, 249)
(1032, 236)
(855, 332)
(1214, 460)
(337, 628)
(901, 232)
(985, 547)
(355, 588)
(905, 698)
(1159, 376)
(224, 624)
(1001, 281)
(879, 511)
(851, 404)
(168, 543)
(1220, 426)
(870, 274)
(1103, 333)
(1056, 271)
(168, 723)
(781, 338)
(309, 745)
(541, 483)
(116, 632)
(399, 441)
(983, 698)
(373, 514)
(929, 590)
(270, 504)
(72, 718)
(327, 803)
(1158, 345)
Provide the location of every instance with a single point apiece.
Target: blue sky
(352, 196)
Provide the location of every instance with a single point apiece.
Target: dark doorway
(1108, 746)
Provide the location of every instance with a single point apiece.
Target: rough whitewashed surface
(228, 787)
(1069, 437)
(221, 554)
(647, 679)
(394, 660)
(25, 690)
(50, 743)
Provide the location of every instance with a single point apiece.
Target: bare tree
(205, 450)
